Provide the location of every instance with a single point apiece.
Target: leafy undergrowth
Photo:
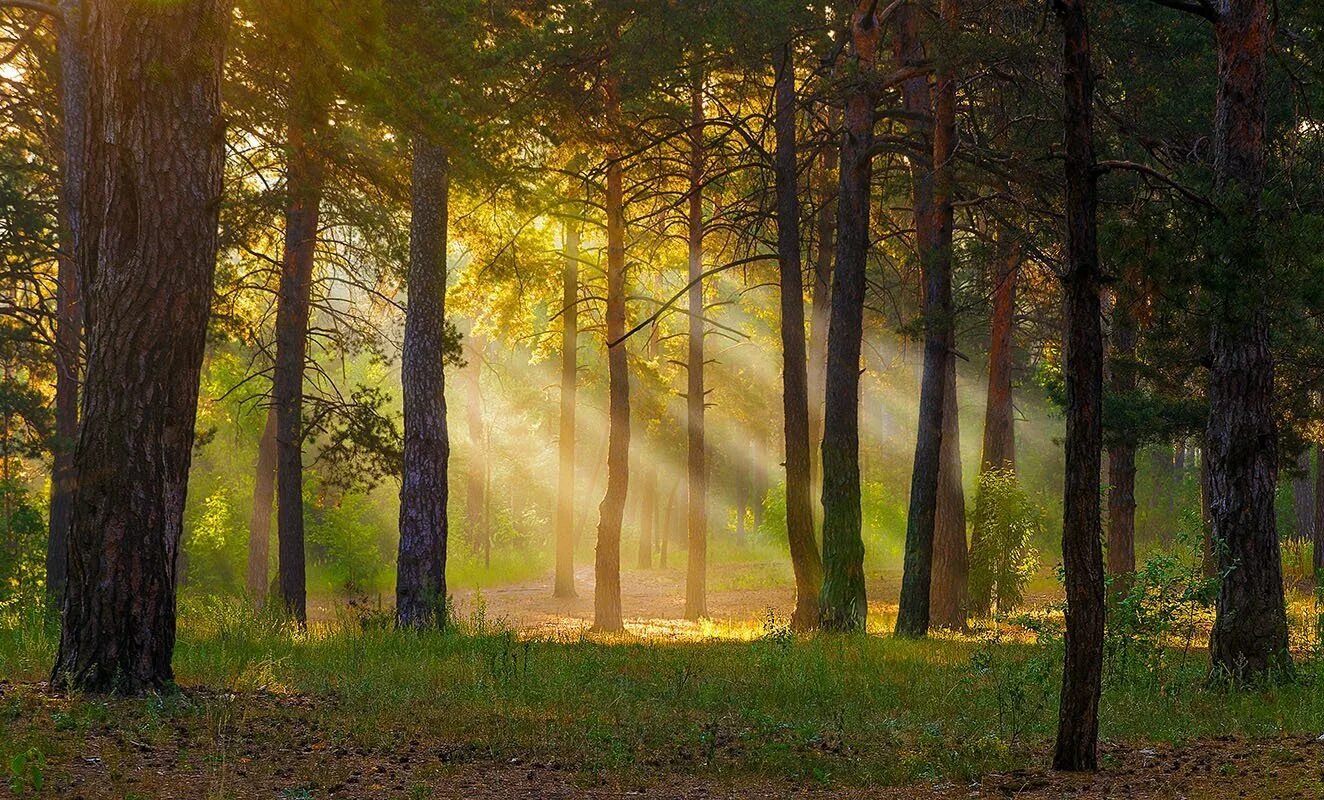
(258, 698)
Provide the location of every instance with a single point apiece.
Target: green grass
(854, 710)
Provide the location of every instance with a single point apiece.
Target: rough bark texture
(607, 559)
(1122, 451)
(420, 584)
(950, 603)
(805, 559)
(820, 311)
(1249, 636)
(564, 583)
(149, 210)
(1082, 552)
(999, 412)
(934, 249)
(303, 187)
(1303, 499)
(696, 570)
(259, 520)
(843, 605)
(1318, 526)
(68, 306)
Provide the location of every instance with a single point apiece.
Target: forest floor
(524, 703)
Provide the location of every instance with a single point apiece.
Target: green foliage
(27, 771)
(346, 539)
(22, 550)
(883, 520)
(216, 543)
(1002, 554)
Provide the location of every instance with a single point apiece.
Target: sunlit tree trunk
(148, 243)
(1249, 637)
(951, 559)
(68, 308)
(420, 585)
(820, 311)
(565, 493)
(259, 520)
(607, 559)
(933, 243)
(1317, 526)
(805, 558)
(696, 572)
(1082, 552)
(999, 412)
(842, 602)
(1122, 451)
(303, 186)
(475, 497)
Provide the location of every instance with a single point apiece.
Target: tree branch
(1200, 8)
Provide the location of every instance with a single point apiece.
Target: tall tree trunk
(951, 558)
(933, 242)
(1122, 452)
(1208, 557)
(149, 241)
(475, 498)
(304, 181)
(820, 309)
(420, 585)
(259, 520)
(607, 559)
(1303, 499)
(1082, 553)
(951, 568)
(843, 605)
(1249, 637)
(668, 522)
(999, 413)
(805, 559)
(1317, 527)
(564, 585)
(68, 306)
(696, 572)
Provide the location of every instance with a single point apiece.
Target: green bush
(22, 550)
(1002, 556)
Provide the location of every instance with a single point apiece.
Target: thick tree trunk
(149, 212)
(1122, 452)
(1082, 553)
(1249, 637)
(259, 520)
(1209, 559)
(1317, 525)
(999, 412)
(696, 572)
(805, 558)
(420, 584)
(951, 559)
(475, 497)
(68, 307)
(564, 585)
(843, 605)
(304, 180)
(1303, 499)
(933, 243)
(607, 559)
(820, 310)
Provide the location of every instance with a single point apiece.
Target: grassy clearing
(851, 710)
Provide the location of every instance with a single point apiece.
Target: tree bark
(820, 310)
(1303, 499)
(843, 605)
(259, 520)
(1317, 528)
(999, 413)
(1249, 637)
(420, 585)
(951, 557)
(696, 571)
(149, 211)
(607, 559)
(805, 559)
(68, 307)
(304, 181)
(1082, 553)
(475, 499)
(1122, 452)
(933, 243)
(564, 585)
